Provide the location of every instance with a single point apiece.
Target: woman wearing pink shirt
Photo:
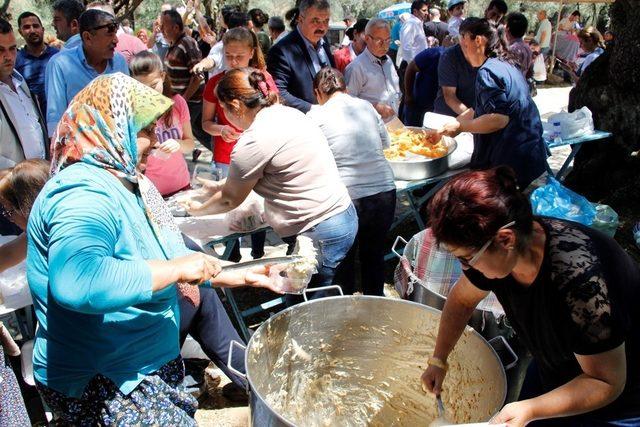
(165, 166)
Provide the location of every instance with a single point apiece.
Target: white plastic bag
(575, 124)
(539, 69)
(248, 216)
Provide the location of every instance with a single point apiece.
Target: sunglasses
(111, 27)
(468, 263)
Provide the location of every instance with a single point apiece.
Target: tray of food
(417, 153)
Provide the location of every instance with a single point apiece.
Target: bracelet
(438, 363)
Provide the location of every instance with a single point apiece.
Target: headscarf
(100, 128)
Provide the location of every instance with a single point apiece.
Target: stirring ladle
(442, 419)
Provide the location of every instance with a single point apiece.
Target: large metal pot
(411, 170)
(486, 322)
(357, 360)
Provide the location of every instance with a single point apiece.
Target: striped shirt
(180, 59)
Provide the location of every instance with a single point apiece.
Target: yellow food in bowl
(404, 141)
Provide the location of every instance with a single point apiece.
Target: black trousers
(375, 216)
(195, 111)
(210, 326)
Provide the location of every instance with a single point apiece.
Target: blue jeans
(221, 170)
(333, 237)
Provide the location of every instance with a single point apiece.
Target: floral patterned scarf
(100, 128)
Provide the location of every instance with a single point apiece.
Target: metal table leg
(574, 150)
(237, 314)
(235, 310)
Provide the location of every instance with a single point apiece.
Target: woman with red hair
(569, 292)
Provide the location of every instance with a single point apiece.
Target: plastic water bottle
(557, 133)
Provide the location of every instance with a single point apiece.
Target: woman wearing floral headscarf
(103, 256)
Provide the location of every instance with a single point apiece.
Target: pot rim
(288, 422)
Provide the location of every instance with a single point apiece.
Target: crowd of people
(95, 134)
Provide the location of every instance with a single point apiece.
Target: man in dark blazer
(296, 59)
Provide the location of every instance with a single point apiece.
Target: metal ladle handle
(322, 288)
(440, 406)
(233, 344)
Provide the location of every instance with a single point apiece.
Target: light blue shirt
(73, 41)
(589, 59)
(317, 53)
(67, 74)
(373, 79)
(88, 239)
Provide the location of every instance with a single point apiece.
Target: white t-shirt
(297, 175)
(412, 38)
(217, 54)
(545, 26)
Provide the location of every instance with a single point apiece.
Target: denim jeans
(333, 238)
(210, 325)
(375, 216)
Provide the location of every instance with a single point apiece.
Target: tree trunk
(4, 7)
(610, 88)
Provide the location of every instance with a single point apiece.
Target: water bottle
(557, 133)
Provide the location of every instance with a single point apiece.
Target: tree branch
(4, 8)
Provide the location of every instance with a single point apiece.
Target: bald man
(543, 35)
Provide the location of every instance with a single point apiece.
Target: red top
(221, 148)
(342, 58)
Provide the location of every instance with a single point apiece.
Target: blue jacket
(292, 69)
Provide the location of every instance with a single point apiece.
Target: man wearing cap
(348, 22)
(372, 76)
(456, 16)
(348, 53)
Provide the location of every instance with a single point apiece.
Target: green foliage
(148, 10)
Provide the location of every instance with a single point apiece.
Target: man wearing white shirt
(372, 76)
(412, 36)
(22, 129)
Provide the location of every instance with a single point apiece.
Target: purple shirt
(523, 54)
